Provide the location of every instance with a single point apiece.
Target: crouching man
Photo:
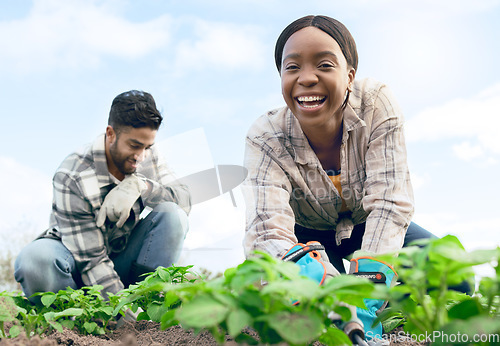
(96, 235)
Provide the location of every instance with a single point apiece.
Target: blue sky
(210, 67)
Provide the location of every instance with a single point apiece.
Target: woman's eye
(291, 67)
(326, 65)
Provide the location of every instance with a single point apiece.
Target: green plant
(9, 311)
(259, 294)
(61, 309)
(147, 294)
(17, 309)
(425, 303)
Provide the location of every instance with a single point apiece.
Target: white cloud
(187, 153)
(467, 152)
(473, 232)
(58, 33)
(216, 227)
(215, 237)
(450, 7)
(419, 180)
(221, 45)
(475, 121)
(25, 203)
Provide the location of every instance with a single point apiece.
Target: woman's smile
(310, 102)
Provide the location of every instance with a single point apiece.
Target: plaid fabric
(286, 183)
(80, 185)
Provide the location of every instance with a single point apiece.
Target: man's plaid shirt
(286, 183)
(80, 185)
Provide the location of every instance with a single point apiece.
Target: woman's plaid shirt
(286, 183)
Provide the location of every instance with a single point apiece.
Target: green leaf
(390, 319)
(70, 324)
(237, 320)
(245, 339)
(202, 312)
(14, 331)
(465, 309)
(155, 311)
(298, 289)
(107, 310)
(296, 328)
(48, 298)
(225, 298)
(334, 336)
(239, 282)
(8, 309)
(168, 319)
(69, 312)
(90, 326)
(56, 325)
(483, 326)
(164, 274)
(251, 298)
(143, 316)
(343, 311)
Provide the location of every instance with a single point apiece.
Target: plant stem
(421, 293)
(440, 304)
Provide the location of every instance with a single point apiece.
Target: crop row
(259, 293)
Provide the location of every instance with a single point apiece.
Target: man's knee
(175, 217)
(31, 263)
(41, 268)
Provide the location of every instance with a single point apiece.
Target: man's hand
(378, 272)
(119, 201)
(313, 261)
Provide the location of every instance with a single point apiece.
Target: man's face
(127, 148)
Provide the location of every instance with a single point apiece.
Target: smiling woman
(331, 166)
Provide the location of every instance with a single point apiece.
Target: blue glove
(378, 272)
(313, 261)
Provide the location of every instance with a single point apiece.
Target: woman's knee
(415, 232)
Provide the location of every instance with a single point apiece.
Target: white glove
(129, 316)
(120, 200)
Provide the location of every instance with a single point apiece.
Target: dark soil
(137, 333)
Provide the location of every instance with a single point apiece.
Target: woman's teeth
(310, 101)
(309, 98)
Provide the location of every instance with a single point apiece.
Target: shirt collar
(101, 166)
(303, 153)
(351, 120)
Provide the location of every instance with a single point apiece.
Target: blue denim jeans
(47, 265)
(336, 253)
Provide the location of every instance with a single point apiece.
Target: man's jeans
(47, 265)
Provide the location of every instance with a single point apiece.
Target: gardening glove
(313, 261)
(119, 201)
(378, 272)
(129, 316)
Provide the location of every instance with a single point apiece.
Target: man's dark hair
(134, 108)
(331, 26)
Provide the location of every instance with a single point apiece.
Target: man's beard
(119, 160)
